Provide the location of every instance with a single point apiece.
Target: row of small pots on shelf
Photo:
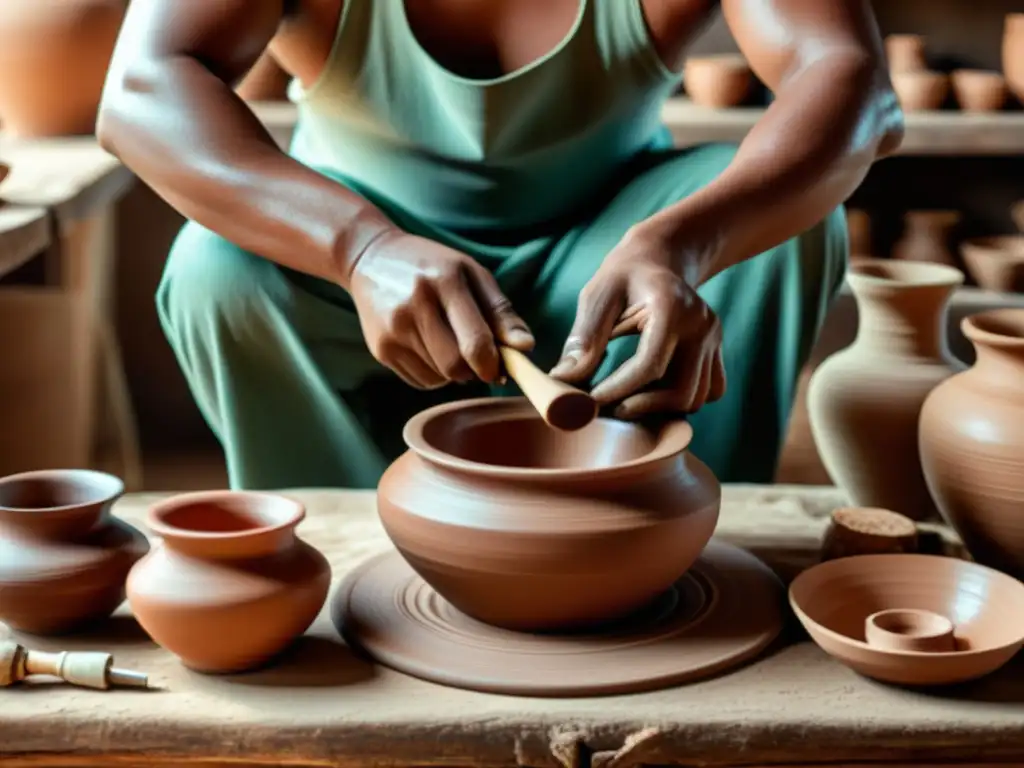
(995, 262)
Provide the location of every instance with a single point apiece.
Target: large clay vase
(232, 585)
(972, 443)
(54, 56)
(63, 557)
(1013, 54)
(927, 236)
(864, 401)
(529, 528)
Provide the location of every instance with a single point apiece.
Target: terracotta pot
(266, 81)
(978, 91)
(996, 263)
(718, 81)
(63, 557)
(972, 443)
(529, 528)
(920, 91)
(858, 225)
(836, 600)
(1013, 53)
(905, 53)
(232, 586)
(927, 236)
(877, 385)
(60, 50)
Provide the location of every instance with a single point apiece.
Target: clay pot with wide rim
(977, 90)
(63, 557)
(717, 81)
(920, 91)
(528, 528)
(864, 401)
(995, 263)
(972, 442)
(905, 53)
(55, 55)
(1013, 54)
(232, 586)
(927, 236)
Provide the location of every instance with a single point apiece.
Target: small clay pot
(534, 529)
(996, 263)
(1013, 54)
(63, 557)
(232, 585)
(920, 90)
(909, 629)
(905, 53)
(835, 600)
(977, 90)
(718, 81)
(928, 237)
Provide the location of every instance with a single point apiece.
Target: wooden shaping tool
(561, 405)
(86, 669)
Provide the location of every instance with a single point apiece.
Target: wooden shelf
(928, 133)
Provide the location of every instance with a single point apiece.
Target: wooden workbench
(323, 706)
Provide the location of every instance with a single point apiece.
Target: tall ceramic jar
(864, 401)
(972, 443)
(1013, 53)
(54, 56)
(927, 237)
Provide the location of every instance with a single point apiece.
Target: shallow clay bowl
(717, 81)
(920, 90)
(995, 263)
(834, 601)
(977, 90)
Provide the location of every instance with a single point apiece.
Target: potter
(470, 174)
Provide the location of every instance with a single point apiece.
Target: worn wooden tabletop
(322, 706)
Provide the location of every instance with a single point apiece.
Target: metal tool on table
(85, 669)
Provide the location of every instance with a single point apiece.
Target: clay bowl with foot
(530, 528)
(920, 91)
(232, 585)
(718, 81)
(977, 90)
(910, 619)
(995, 263)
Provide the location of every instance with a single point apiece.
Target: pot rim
(910, 274)
(978, 327)
(672, 440)
(288, 512)
(109, 487)
(1005, 246)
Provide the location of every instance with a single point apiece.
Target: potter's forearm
(808, 153)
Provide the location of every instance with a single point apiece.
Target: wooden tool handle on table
(561, 405)
(86, 669)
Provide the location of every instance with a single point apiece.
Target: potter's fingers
(412, 369)
(654, 352)
(716, 390)
(660, 401)
(442, 349)
(598, 309)
(472, 335)
(509, 328)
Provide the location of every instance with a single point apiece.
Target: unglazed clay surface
(927, 236)
(986, 608)
(63, 557)
(996, 263)
(724, 611)
(972, 442)
(530, 528)
(864, 401)
(231, 586)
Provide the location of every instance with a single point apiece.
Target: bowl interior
(224, 513)
(985, 607)
(57, 489)
(508, 432)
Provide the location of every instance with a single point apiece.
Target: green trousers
(277, 363)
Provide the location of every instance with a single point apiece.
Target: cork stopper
(868, 531)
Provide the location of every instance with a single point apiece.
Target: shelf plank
(928, 133)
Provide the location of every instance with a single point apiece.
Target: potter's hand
(432, 314)
(680, 349)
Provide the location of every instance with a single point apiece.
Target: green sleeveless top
(465, 154)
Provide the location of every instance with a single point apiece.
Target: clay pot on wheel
(972, 443)
(905, 53)
(54, 55)
(63, 557)
(920, 91)
(1013, 54)
(718, 81)
(927, 236)
(864, 401)
(232, 585)
(529, 528)
(978, 91)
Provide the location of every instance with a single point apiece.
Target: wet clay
(63, 556)
(972, 442)
(878, 384)
(530, 528)
(724, 611)
(834, 601)
(232, 585)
